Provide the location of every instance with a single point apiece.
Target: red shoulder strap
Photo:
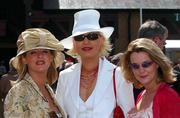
(140, 96)
(114, 83)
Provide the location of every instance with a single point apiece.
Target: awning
(112, 4)
(173, 44)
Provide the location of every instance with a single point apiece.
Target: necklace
(88, 78)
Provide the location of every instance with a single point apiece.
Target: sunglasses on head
(90, 36)
(145, 64)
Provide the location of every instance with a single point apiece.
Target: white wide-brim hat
(86, 21)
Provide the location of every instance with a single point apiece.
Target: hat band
(85, 28)
(42, 37)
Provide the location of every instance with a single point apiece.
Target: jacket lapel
(104, 79)
(33, 84)
(75, 84)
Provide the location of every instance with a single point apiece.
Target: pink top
(145, 113)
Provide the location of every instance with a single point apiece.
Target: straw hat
(38, 38)
(86, 21)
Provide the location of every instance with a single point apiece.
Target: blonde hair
(165, 70)
(22, 69)
(105, 49)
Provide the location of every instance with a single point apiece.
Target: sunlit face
(89, 45)
(38, 60)
(143, 68)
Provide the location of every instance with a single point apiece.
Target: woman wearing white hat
(85, 90)
(38, 56)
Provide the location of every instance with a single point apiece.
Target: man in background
(152, 29)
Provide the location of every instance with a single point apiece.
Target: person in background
(3, 69)
(158, 33)
(177, 66)
(176, 85)
(155, 31)
(85, 89)
(145, 65)
(38, 56)
(115, 59)
(6, 82)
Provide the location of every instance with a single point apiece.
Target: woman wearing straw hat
(85, 90)
(38, 56)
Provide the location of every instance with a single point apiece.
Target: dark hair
(152, 28)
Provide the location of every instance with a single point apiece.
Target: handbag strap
(114, 84)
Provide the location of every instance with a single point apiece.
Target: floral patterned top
(25, 100)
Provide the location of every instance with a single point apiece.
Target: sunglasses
(90, 36)
(145, 64)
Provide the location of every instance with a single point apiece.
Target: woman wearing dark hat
(38, 56)
(85, 90)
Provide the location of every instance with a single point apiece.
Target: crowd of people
(141, 81)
